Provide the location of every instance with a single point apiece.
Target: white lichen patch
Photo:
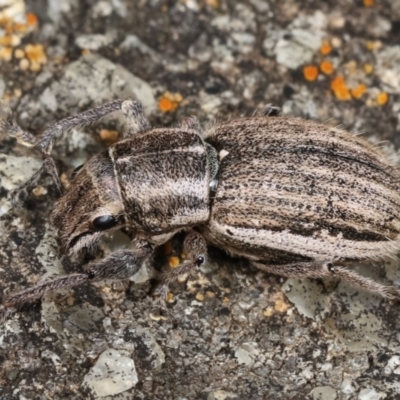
(112, 374)
(307, 296)
(15, 171)
(47, 253)
(247, 353)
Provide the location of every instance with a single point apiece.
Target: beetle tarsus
(272, 111)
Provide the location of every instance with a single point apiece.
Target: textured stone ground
(240, 334)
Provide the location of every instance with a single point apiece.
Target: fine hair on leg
(316, 269)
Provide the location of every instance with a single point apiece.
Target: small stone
(297, 47)
(39, 191)
(324, 393)
(370, 394)
(113, 373)
(94, 42)
(200, 297)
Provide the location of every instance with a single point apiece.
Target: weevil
(293, 196)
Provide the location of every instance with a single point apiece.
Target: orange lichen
(368, 3)
(5, 41)
(110, 137)
(326, 67)
(169, 101)
(340, 89)
(36, 55)
(326, 48)
(5, 53)
(368, 68)
(382, 98)
(359, 91)
(213, 3)
(310, 73)
(31, 19)
(373, 45)
(281, 306)
(167, 105)
(17, 27)
(268, 312)
(173, 262)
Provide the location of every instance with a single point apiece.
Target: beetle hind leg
(314, 269)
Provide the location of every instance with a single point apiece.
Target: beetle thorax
(163, 179)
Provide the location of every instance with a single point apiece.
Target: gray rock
(112, 374)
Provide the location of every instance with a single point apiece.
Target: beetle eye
(75, 171)
(200, 260)
(104, 222)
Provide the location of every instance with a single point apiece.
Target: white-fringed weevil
(295, 197)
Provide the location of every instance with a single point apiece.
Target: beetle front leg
(52, 134)
(119, 265)
(315, 269)
(195, 248)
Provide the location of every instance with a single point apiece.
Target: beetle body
(296, 190)
(294, 197)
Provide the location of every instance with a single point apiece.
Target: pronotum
(295, 197)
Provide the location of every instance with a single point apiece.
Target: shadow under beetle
(295, 197)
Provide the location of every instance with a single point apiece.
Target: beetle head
(90, 206)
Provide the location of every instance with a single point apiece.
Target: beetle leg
(136, 121)
(195, 248)
(315, 269)
(52, 134)
(9, 125)
(354, 279)
(191, 123)
(48, 167)
(119, 265)
(272, 111)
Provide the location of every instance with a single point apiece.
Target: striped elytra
(290, 187)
